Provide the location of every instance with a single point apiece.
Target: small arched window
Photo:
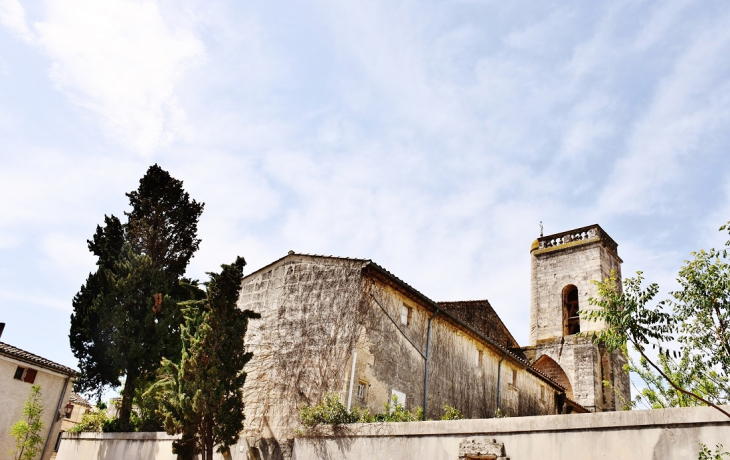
(571, 320)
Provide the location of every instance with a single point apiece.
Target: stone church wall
(318, 312)
(457, 376)
(310, 309)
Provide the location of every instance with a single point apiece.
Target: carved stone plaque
(481, 448)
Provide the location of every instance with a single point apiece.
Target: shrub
(330, 411)
(452, 413)
(94, 421)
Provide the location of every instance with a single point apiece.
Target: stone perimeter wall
(667, 434)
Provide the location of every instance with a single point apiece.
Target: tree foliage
(689, 330)
(93, 421)
(126, 316)
(27, 432)
(202, 395)
(658, 394)
(163, 223)
(718, 454)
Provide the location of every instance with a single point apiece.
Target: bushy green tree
(202, 395)
(690, 331)
(126, 316)
(27, 432)
(92, 421)
(658, 394)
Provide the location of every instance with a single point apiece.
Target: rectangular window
(514, 377)
(480, 358)
(542, 393)
(362, 390)
(26, 375)
(406, 313)
(19, 373)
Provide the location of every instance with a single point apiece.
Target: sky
(432, 137)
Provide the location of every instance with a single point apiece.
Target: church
(351, 327)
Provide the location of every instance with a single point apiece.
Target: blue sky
(431, 137)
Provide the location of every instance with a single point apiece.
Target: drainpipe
(499, 383)
(352, 380)
(55, 416)
(425, 373)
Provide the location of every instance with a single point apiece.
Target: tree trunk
(125, 410)
(209, 441)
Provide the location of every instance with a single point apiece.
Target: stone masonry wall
(310, 309)
(318, 314)
(387, 362)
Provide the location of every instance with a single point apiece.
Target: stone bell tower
(563, 266)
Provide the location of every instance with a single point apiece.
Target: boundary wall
(116, 446)
(666, 434)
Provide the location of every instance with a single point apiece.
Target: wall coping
(132, 436)
(636, 419)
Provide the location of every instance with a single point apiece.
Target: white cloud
(664, 16)
(32, 299)
(121, 61)
(12, 16)
(66, 255)
(689, 105)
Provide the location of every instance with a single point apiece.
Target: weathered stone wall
(310, 311)
(386, 361)
(667, 434)
(318, 313)
(558, 262)
(555, 269)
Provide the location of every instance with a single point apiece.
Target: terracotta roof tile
(77, 399)
(30, 358)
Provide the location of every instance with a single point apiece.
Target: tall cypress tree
(202, 395)
(126, 316)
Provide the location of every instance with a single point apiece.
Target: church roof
(480, 315)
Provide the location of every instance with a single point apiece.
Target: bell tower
(563, 268)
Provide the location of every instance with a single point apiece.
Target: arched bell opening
(571, 319)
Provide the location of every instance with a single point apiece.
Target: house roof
(371, 268)
(77, 399)
(30, 358)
